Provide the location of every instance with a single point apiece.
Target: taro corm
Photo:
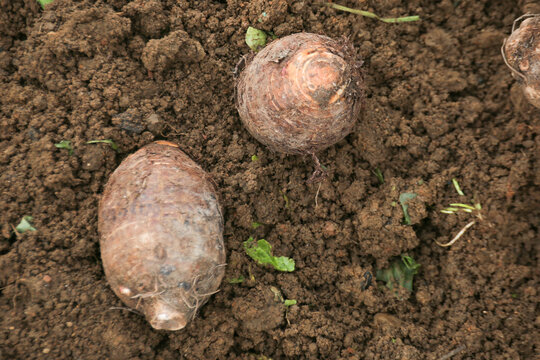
(521, 52)
(162, 235)
(301, 94)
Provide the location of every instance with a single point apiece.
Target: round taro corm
(301, 94)
(521, 52)
(161, 235)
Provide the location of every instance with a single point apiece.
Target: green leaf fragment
(45, 2)
(405, 197)
(25, 225)
(255, 225)
(457, 187)
(283, 263)
(409, 262)
(111, 143)
(400, 273)
(289, 302)
(65, 144)
(379, 175)
(465, 206)
(237, 280)
(403, 200)
(261, 252)
(286, 198)
(401, 19)
(461, 207)
(254, 158)
(255, 38)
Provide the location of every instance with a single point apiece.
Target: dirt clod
(177, 47)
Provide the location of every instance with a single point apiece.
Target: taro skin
(300, 94)
(161, 235)
(521, 52)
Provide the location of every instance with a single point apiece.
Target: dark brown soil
(440, 104)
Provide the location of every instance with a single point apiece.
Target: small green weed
(403, 200)
(278, 297)
(25, 225)
(400, 273)
(261, 252)
(475, 208)
(65, 144)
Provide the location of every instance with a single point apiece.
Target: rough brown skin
(521, 52)
(162, 235)
(301, 93)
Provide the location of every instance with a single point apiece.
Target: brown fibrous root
(319, 174)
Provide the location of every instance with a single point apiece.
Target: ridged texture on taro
(162, 235)
(301, 93)
(522, 52)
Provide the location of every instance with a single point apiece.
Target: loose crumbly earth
(440, 104)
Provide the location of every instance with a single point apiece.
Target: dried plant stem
(319, 174)
(513, 69)
(372, 15)
(124, 308)
(521, 18)
(459, 234)
(317, 195)
(453, 352)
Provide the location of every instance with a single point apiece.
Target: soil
(440, 104)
